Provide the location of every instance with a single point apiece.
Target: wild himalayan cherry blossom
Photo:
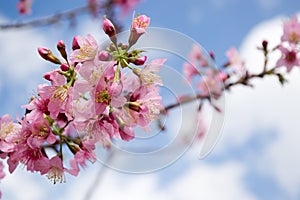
(126, 5)
(87, 50)
(9, 133)
(24, 6)
(80, 160)
(211, 83)
(55, 170)
(288, 58)
(148, 74)
(144, 105)
(138, 28)
(196, 59)
(235, 61)
(94, 6)
(59, 95)
(291, 31)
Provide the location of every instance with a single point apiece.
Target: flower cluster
(211, 82)
(290, 45)
(95, 96)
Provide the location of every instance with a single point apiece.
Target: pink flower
(144, 105)
(196, 58)
(56, 78)
(147, 75)
(58, 95)
(79, 160)
(126, 5)
(196, 55)
(37, 107)
(32, 158)
(235, 61)
(59, 98)
(130, 81)
(189, 71)
(138, 28)
(9, 133)
(107, 92)
(55, 172)
(288, 58)
(211, 84)
(88, 49)
(94, 6)
(291, 31)
(38, 131)
(92, 71)
(24, 6)
(126, 132)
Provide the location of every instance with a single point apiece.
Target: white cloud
(211, 182)
(19, 57)
(22, 185)
(201, 182)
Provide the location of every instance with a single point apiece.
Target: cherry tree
(98, 94)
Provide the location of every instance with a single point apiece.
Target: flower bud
(47, 76)
(109, 29)
(104, 56)
(75, 44)
(212, 55)
(47, 55)
(62, 49)
(64, 67)
(265, 44)
(140, 60)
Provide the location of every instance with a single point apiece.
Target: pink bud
(43, 52)
(108, 27)
(47, 55)
(212, 55)
(61, 44)
(64, 67)
(62, 48)
(140, 60)
(75, 44)
(104, 56)
(47, 76)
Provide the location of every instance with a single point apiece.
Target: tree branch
(49, 20)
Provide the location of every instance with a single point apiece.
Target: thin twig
(49, 20)
(243, 81)
(89, 193)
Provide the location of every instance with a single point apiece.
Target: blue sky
(255, 157)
